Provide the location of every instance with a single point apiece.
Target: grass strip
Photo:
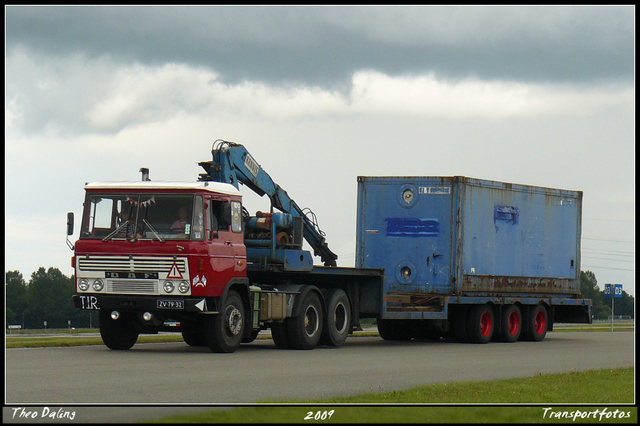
(608, 386)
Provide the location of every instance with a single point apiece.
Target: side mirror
(69, 229)
(70, 223)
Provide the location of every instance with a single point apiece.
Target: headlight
(183, 286)
(83, 284)
(168, 286)
(98, 285)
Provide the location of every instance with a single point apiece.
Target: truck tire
(117, 334)
(511, 322)
(280, 335)
(398, 330)
(193, 338)
(337, 321)
(536, 327)
(305, 329)
(480, 324)
(223, 332)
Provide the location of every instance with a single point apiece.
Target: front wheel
(223, 332)
(117, 334)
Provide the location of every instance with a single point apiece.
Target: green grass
(608, 386)
(53, 341)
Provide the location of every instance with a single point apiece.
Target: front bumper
(144, 303)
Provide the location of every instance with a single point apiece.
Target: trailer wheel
(193, 338)
(223, 332)
(395, 329)
(536, 324)
(511, 324)
(337, 321)
(305, 329)
(480, 324)
(117, 334)
(280, 335)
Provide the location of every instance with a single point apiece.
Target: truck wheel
(337, 321)
(117, 334)
(480, 324)
(306, 328)
(193, 338)
(395, 330)
(511, 324)
(536, 324)
(223, 332)
(280, 335)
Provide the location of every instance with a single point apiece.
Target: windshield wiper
(118, 229)
(146, 222)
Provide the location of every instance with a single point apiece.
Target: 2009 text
(320, 415)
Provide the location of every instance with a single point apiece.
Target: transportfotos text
(598, 414)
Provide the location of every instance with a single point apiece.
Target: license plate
(170, 304)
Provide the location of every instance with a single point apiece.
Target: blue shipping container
(468, 237)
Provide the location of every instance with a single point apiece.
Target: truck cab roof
(217, 187)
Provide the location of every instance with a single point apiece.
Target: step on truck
(436, 257)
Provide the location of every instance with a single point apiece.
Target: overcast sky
(320, 95)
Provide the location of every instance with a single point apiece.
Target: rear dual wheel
(302, 331)
(337, 321)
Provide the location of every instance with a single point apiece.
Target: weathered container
(465, 237)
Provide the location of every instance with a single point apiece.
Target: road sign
(617, 290)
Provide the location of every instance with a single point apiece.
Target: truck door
(225, 240)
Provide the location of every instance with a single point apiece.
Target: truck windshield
(143, 216)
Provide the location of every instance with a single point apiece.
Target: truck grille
(133, 264)
(132, 274)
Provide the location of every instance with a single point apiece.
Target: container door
(404, 226)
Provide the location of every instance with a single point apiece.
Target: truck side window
(220, 218)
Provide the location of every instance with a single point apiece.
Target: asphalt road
(174, 373)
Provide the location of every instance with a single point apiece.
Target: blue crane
(233, 164)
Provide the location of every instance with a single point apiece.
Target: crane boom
(232, 163)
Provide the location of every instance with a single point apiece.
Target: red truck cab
(170, 247)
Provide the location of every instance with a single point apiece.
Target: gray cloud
(325, 45)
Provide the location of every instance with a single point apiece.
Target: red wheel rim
(486, 324)
(513, 323)
(540, 322)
